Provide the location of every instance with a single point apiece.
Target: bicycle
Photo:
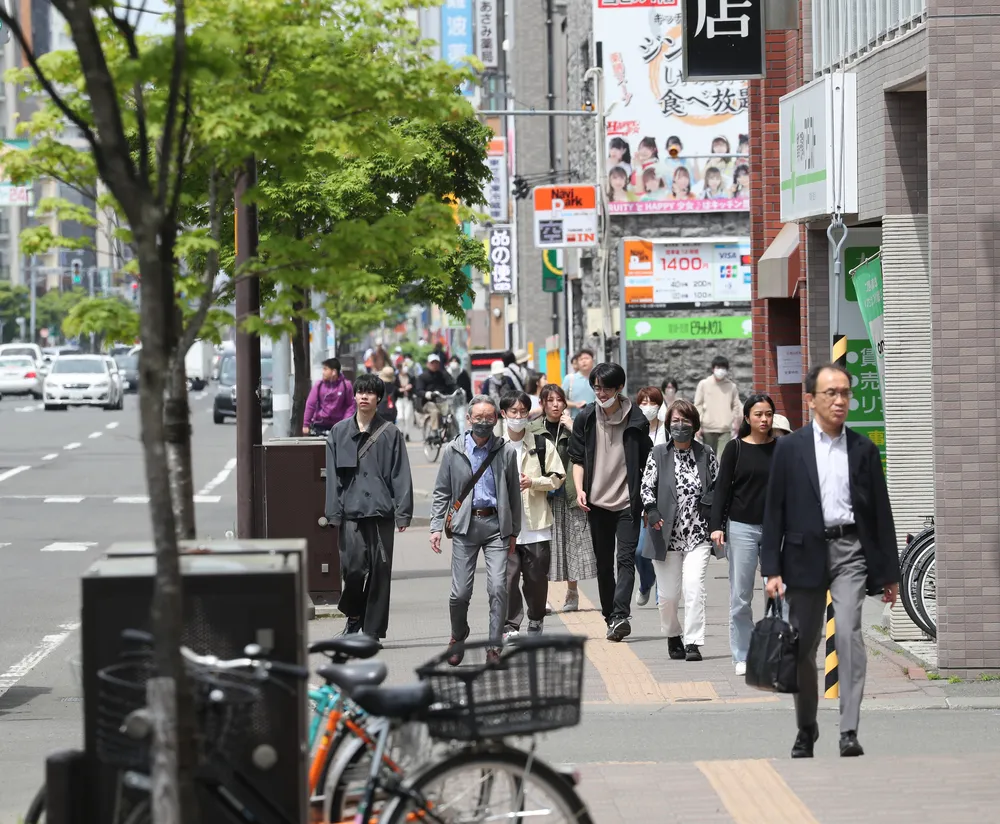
(448, 427)
(918, 587)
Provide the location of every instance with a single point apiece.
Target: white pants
(683, 572)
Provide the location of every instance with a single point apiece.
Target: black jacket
(583, 446)
(439, 381)
(793, 544)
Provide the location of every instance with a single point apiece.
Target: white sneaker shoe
(572, 602)
(741, 668)
(507, 636)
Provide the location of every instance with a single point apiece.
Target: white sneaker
(741, 668)
(534, 627)
(572, 602)
(512, 633)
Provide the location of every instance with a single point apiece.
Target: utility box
(235, 593)
(291, 490)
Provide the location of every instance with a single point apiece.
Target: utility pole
(551, 95)
(248, 422)
(281, 399)
(31, 280)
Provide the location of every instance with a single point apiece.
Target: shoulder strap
(471, 483)
(372, 437)
(539, 450)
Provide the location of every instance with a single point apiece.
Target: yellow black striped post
(832, 675)
(840, 350)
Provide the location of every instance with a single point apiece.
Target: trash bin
(291, 499)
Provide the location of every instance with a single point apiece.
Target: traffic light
(520, 188)
(77, 272)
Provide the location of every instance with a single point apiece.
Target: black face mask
(681, 432)
(482, 429)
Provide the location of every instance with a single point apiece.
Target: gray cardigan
(454, 474)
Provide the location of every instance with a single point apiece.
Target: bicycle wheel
(36, 812)
(913, 549)
(432, 442)
(926, 592)
(909, 585)
(472, 787)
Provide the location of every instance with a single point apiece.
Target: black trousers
(366, 567)
(529, 568)
(615, 535)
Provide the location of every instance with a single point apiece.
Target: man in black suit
(828, 525)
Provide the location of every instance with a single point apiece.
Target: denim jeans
(743, 544)
(644, 566)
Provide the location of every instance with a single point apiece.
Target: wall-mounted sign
(789, 364)
(496, 188)
(456, 35)
(727, 327)
(487, 33)
(502, 260)
(723, 39)
(661, 274)
(565, 216)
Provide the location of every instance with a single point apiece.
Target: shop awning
(778, 268)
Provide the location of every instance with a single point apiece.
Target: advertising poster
(865, 413)
(457, 36)
(496, 187)
(737, 327)
(565, 216)
(672, 146)
(658, 275)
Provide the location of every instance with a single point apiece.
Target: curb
(912, 666)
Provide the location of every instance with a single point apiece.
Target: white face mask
(661, 413)
(720, 373)
(608, 403)
(650, 411)
(516, 424)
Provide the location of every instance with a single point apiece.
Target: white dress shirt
(834, 476)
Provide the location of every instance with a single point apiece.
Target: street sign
(502, 259)
(723, 39)
(487, 31)
(496, 189)
(552, 270)
(565, 216)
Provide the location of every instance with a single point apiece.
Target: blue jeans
(743, 549)
(644, 566)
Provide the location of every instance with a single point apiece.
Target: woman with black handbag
(738, 515)
(677, 476)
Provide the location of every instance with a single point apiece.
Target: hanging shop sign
(723, 39)
(456, 36)
(867, 278)
(672, 145)
(487, 33)
(660, 274)
(496, 188)
(565, 216)
(501, 239)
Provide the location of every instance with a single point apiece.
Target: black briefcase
(772, 662)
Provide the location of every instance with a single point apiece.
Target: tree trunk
(300, 366)
(177, 424)
(167, 615)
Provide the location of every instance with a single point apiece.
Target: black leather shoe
(692, 653)
(804, 742)
(675, 648)
(849, 745)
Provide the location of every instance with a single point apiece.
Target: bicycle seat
(356, 645)
(349, 677)
(398, 703)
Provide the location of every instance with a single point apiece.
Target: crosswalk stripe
(69, 546)
(4, 543)
(132, 499)
(207, 499)
(63, 499)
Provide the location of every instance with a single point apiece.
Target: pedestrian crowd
(581, 480)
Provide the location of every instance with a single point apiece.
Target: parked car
(116, 374)
(82, 380)
(128, 365)
(225, 396)
(19, 375)
(29, 350)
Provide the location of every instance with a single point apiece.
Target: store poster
(672, 146)
(658, 275)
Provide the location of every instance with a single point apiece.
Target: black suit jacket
(793, 544)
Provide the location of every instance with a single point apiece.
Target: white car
(19, 375)
(82, 380)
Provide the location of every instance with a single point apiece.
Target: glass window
(78, 366)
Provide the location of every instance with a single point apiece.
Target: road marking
(95, 434)
(72, 446)
(10, 473)
(207, 499)
(4, 544)
(132, 499)
(50, 457)
(754, 793)
(220, 478)
(112, 425)
(69, 546)
(48, 645)
(26, 409)
(63, 499)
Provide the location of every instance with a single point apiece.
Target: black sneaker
(804, 741)
(675, 647)
(352, 626)
(619, 629)
(692, 653)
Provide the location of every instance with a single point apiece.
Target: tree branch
(173, 100)
(190, 334)
(182, 140)
(127, 30)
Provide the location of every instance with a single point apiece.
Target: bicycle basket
(221, 702)
(535, 687)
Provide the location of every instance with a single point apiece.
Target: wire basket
(222, 702)
(536, 686)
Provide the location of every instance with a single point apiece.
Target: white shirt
(834, 477)
(529, 536)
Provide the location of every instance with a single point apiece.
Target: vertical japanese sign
(496, 189)
(673, 146)
(487, 34)
(865, 413)
(456, 35)
(502, 259)
(723, 39)
(867, 280)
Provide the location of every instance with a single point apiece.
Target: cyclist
(330, 401)
(433, 380)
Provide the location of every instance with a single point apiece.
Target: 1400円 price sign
(663, 274)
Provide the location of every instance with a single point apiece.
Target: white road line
(4, 543)
(26, 409)
(220, 478)
(69, 546)
(49, 644)
(95, 434)
(112, 425)
(132, 499)
(207, 499)
(50, 457)
(72, 446)
(63, 499)
(17, 470)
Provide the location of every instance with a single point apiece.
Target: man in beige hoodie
(718, 403)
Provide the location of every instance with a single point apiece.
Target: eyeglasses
(830, 394)
(490, 421)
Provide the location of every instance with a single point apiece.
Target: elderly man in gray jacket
(486, 515)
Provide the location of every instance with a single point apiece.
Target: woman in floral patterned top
(677, 474)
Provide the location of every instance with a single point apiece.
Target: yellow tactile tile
(753, 793)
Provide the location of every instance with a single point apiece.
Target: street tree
(169, 121)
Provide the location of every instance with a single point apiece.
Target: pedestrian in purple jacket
(330, 401)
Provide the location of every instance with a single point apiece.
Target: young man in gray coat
(368, 492)
(488, 519)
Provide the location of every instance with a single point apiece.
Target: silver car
(19, 375)
(82, 380)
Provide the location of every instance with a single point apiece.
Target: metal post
(597, 74)
(91, 272)
(31, 279)
(282, 397)
(248, 422)
(551, 95)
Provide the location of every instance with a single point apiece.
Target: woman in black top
(738, 513)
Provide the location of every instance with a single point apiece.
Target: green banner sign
(552, 270)
(865, 414)
(867, 279)
(731, 327)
